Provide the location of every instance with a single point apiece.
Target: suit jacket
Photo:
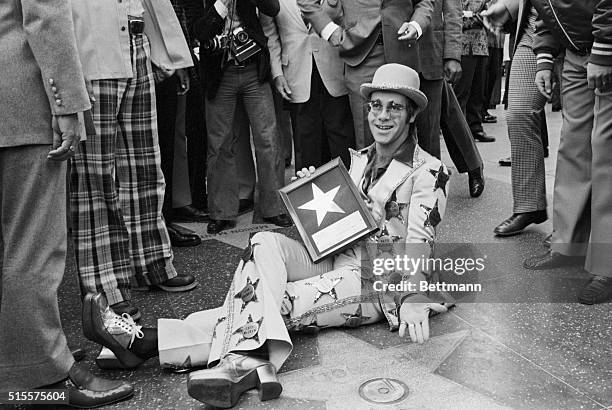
(443, 39)
(205, 23)
(38, 46)
(361, 22)
(418, 192)
(293, 46)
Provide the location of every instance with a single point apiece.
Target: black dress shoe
(598, 290)
(127, 307)
(482, 136)
(217, 225)
(476, 182)
(189, 213)
(87, 391)
(182, 237)
(179, 283)
(245, 205)
(517, 222)
(489, 119)
(280, 220)
(552, 260)
(505, 162)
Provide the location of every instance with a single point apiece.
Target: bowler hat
(399, 79)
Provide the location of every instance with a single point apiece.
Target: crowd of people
(134, 115)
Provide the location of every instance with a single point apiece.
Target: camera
(216, 44)
(242, 45)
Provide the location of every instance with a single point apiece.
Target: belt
(136, 25)
(245, 63)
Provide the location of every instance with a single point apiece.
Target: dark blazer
(360, 21)
(205, 23)
(443, 39)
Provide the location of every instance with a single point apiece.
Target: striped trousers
(117, 188)
(525, 103)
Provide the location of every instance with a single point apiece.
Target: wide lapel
(395, 175)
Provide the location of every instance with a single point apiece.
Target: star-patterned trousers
(276, 289)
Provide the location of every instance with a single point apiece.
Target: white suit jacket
(292, 48)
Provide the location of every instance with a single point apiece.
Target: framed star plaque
(328, 210)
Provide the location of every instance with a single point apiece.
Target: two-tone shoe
(103, 326)
(223, 385)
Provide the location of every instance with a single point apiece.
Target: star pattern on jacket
(441, 178)
(433, 215)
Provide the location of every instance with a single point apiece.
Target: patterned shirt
(474, 39)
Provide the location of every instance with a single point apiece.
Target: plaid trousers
(117, 188)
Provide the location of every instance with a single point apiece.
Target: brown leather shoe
(103, 326)
(552, 260)
(87, 391)
(223, 385)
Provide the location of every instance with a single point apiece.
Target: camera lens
(242, 36)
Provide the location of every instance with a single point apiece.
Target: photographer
(235, 63)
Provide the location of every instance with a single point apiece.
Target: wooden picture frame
(328, 210)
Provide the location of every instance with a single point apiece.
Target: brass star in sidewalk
(413, 364)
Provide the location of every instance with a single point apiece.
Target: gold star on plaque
(247, 294)
(249, 331)
(322, 202)
(325, 286)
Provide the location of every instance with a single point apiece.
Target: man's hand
(66, 136)
(280, 82)
(336, 37)
(599, 76)
(304, 173)
(183, 81)
(543, 81)
(452, 70)
(495, 17)
(407, 32)
(415, 317)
